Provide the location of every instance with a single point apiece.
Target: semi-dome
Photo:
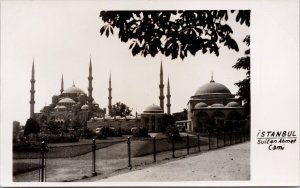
(153, 108)
(200, 105)
(217, 105)
(233, 104)
(73, 89)
(66, 100)
(85, 107)
(212, 88)
(60, 107)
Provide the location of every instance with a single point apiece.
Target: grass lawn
(21, 167)
(109, 160)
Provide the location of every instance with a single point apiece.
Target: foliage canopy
(244, 85)
(120, 109)
(173, 33)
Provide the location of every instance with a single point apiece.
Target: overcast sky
(62, 35)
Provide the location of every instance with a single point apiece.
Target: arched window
(219, 118)
(203, 122)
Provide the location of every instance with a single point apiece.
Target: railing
(140, 152)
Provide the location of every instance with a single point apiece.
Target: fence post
(43, 170)
(154, 149)
(173, 147)
(209, 141)
(187, 144)
(129, 153)
(198, 137)
(94, 173)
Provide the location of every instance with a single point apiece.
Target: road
(229, 163)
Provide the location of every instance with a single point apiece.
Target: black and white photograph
(98, 93)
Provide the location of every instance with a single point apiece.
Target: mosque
(71, 104)
(211, 107)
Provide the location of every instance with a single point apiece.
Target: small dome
(233, 104)
(85, 107)
(200, 105)
(153, 108)
(212, 88)
(94, 103)
(66, 100)
(217, 105)
(73, 89)
(60, 107)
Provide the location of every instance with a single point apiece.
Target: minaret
(161, 88)
(109, 95)
(62, 84)
(212, 77)
(90, 89)
(168, 98)
(32, 91)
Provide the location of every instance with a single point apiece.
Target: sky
(61, 36)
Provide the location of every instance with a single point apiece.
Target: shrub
(31, 126)
(143, 132)
(51, 138)
(172, 130)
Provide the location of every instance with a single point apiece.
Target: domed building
(213, 107)
(71, 104)
(152, 118)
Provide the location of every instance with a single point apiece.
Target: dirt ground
(112, 161)
(229, 163)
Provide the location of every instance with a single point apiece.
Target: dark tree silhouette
(244, 85)
(54, 127)
(31, 126)
(120, 109)
(174, 33)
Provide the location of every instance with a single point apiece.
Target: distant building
(71, 104)
(214, 107)
(151, 118)
(117, 122)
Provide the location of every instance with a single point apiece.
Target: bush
(51, 138)
(26, 147)
(87, 133)
(31, 126)
(173, 131)
(143, 132)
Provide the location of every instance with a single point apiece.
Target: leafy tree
(31, 126)
(244, 85)
(120, 109)
(174, 33)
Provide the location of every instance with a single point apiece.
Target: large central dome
(73, 89)
(212, 88)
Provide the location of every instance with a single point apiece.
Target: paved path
(230, 163)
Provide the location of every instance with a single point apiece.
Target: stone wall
(124, 124)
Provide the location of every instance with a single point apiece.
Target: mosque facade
(214, 108)
(72, 104)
